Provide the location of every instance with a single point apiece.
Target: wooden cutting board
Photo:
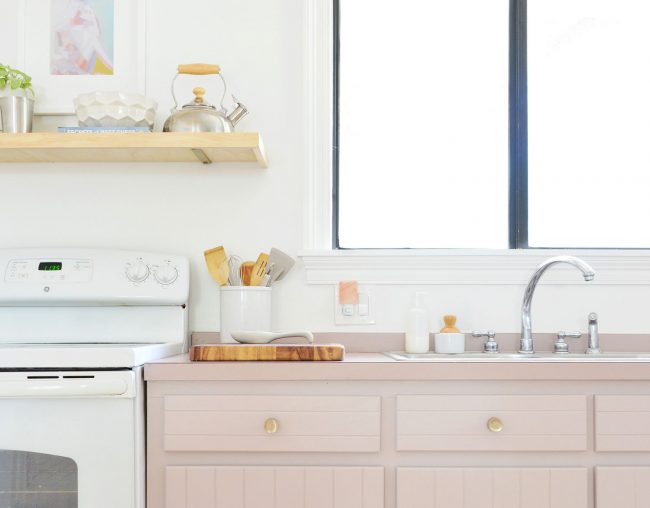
(266, 352)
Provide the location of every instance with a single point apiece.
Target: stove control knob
(166, 274)
(137, 271)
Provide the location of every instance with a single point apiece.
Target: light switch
(364, 304)
(355, 307)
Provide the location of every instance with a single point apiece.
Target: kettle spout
(238, 113)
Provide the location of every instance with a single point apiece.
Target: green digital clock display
(50, 266)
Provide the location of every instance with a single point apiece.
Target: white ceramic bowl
(115, 109)
(449, 343)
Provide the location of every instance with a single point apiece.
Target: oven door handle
(45, 388)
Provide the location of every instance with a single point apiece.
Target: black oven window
(37, 480)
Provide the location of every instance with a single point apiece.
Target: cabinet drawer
(518, 422)
(622, 423)
(271, 423)
(274, 487)
(492, 487)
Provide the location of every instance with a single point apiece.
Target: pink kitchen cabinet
(622, 423)
(330, 436)
(305, 424)
(274, 487)
(492, 487)
(622, 487)
(459, 422)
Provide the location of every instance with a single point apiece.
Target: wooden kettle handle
(199, 69)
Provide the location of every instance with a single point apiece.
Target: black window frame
(517, 126)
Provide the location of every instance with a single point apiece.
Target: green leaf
(14, 78)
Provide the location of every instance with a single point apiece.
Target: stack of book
(102, 130)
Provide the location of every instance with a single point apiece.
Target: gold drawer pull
(495, 425)
(271, 425)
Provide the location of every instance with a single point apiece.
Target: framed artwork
(70, 47)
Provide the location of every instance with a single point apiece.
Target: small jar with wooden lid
(450, 340)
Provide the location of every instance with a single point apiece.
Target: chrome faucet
(526, 340)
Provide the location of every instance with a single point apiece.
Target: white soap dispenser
(417, 327)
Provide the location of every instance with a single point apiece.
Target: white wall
(186, 208)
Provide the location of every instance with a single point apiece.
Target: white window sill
(472, 267)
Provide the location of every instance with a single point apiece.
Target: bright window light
(424, 124)
(589, 123)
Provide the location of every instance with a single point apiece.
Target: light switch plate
(354, 314)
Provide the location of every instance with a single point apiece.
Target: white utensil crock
(244, 308)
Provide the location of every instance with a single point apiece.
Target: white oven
(75, 328)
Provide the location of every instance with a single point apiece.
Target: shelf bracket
(200, 154)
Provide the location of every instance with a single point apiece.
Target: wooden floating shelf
(205, 147)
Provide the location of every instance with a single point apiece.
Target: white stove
(76, 325)
(86, 356)
(84, 308)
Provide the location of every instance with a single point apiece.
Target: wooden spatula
(259, 270)
(217, 263)
(245, 272)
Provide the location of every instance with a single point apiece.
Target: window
(589, 123)
(492, 124)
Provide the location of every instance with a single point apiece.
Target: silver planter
(16, 114)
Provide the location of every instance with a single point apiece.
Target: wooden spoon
(245, 272)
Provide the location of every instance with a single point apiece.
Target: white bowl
(115, 109)
(449, 343)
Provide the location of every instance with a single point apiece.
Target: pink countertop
(376, 366)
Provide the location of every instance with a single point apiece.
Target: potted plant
(16, 111)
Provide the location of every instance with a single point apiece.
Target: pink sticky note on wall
(348, 292)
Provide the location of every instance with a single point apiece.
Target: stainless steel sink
(517, 357)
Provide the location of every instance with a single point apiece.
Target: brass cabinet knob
(494, 425)
(271, 425)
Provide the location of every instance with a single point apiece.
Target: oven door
(71, 439)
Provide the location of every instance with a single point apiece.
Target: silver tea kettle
(198, 115)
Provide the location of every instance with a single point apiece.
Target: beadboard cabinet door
(622, 487)
(492, 487)
(274, 487)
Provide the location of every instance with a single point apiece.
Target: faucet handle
(560, 345)
(491, 345)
